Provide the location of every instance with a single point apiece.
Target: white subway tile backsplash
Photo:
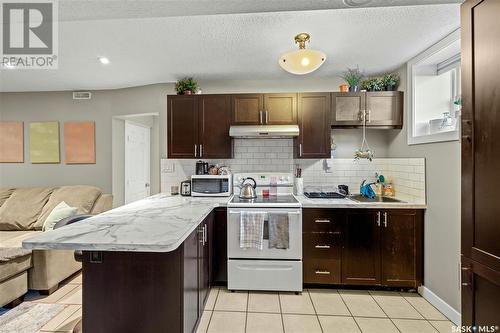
(276, 155)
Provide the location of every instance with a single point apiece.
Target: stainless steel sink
(360, 198)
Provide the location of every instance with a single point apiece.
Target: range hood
(264, 131)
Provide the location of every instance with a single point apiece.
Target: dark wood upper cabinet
(480, 232)
(314, 138)
(192, 131)
(383, 109)
(247, 109)
(182, 118)
(280, 109)
(214, 122)
(347, 108)
(401, 248)
(361, 248)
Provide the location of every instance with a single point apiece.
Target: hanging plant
(186, 86)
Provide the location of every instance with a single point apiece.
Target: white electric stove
(269, 268)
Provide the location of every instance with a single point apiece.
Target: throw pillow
(61, 211)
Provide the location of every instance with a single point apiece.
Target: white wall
(442, 218)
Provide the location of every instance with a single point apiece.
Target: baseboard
(441, 305)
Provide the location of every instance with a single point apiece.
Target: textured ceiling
(230, 46)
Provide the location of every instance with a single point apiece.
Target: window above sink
(434, 102)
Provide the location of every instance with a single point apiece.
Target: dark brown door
(361, 248)
(401, 248)
(219, 247)
(280, 109)
(247, 109)
(384, 108)
(182, 121)
(480, 162)
(214, 120)
(347, 108)
(191, 303)
(204, 261)
(314, 126)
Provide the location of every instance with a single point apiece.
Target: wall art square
(79, 142)
(11, 142)
(44, 142)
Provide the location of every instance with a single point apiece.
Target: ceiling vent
(82, 95)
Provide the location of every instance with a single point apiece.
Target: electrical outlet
(169, 167)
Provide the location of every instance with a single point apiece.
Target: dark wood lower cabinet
(219, 247)
(147, 292)
(363, 247)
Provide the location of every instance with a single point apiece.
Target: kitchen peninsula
(147, 266)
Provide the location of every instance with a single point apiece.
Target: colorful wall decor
(44, 142)
(11, 142)
(79, 142)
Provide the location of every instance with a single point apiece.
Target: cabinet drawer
(322, 220)
(322, 271)
(321, 245)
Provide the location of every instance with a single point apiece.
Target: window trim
(410, 102)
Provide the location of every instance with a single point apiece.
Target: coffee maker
(201, 168)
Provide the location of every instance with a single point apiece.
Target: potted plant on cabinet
(390, 81)
(353, 77)
(373, 84)
(186, 86)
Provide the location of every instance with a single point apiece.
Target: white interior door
(137, 161)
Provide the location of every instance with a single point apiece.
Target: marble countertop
(159, 223)
(348, 203)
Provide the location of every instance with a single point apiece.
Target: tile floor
(315, 310)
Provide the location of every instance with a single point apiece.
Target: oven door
(294, 252)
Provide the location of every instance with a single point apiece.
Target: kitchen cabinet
(321, 245)
(383, 109)
(192, 131)
(204, 260)
(190, 282)
(264, 109)
(182, 121)
(219, 247)
(363, 247)
(314, 138)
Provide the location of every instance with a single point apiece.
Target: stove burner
(324, 195)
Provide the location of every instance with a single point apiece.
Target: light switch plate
(168, 167)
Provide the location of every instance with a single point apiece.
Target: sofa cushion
(103, 204)
(57, 214)
(15, 238)
(81, 196)
(23, 208)
(13, 261)
(5, 194)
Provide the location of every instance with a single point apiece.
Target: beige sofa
(22, 214)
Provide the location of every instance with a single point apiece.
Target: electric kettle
(247, 191)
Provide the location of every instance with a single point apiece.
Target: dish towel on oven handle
(279, 235)
(252, 230)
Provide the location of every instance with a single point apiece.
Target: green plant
(186, 84)
(373, 84)
(390, 81)
(352, 76)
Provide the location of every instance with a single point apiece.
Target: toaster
(186, 188)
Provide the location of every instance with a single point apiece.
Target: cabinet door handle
(201, 150)
(320, 272)
(260, 116)
(267, 118)
(385, 219)
(195, 150)
(204, 234)
(322, 221)
(369, 116)
(201, 231)
(300, 149)
(378, 218)
(322, 246)
(361, 115)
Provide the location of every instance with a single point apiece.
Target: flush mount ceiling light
(302, 61)
(104, 60)
(356, 3)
